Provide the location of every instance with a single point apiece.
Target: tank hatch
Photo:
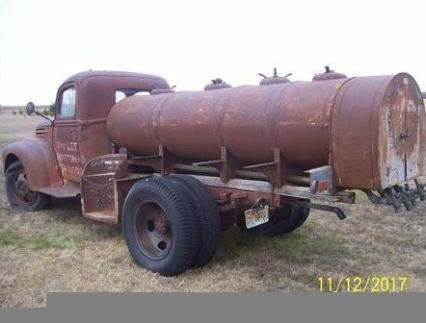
(274, 79)
(328, 75)
(216, 84)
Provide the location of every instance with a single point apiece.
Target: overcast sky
(190, 42)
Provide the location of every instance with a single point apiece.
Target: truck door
(66, 135)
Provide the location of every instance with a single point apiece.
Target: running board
(69, 189)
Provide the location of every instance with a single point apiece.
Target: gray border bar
(218, 307)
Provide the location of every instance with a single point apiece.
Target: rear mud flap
(98, 194)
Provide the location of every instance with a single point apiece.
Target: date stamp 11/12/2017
(358, 284)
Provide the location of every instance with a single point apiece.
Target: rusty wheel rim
(24, 195)
(153, 231)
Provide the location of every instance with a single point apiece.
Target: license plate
(256, 216)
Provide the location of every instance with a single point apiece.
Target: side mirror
(30, 108)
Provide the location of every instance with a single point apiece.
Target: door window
(67, 106)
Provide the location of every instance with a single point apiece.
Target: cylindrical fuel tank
(369, 129)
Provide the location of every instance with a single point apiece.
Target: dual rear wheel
(170, 224)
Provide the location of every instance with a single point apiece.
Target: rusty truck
(175, 169)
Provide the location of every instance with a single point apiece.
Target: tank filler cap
(328, 75)
(216, 84)
(274, 79)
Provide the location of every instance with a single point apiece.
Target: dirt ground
(57, 250)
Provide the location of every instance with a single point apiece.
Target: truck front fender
(38, 159)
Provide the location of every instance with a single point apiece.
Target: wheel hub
(161, 226)
(22, 189)
(153, 230)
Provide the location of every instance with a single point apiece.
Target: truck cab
(53, 161)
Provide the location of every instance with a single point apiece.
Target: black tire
(284, 220)
(287, 219)
(210, 225)
(23, 198)
(159, 198)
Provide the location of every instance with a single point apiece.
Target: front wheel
(18, 192)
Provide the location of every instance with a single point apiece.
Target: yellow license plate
(256, 216)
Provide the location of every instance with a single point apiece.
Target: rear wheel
(159, 227)
(210, 226)
(18, 191)
(287, 219)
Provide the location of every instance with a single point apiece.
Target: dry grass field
(58, 250)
